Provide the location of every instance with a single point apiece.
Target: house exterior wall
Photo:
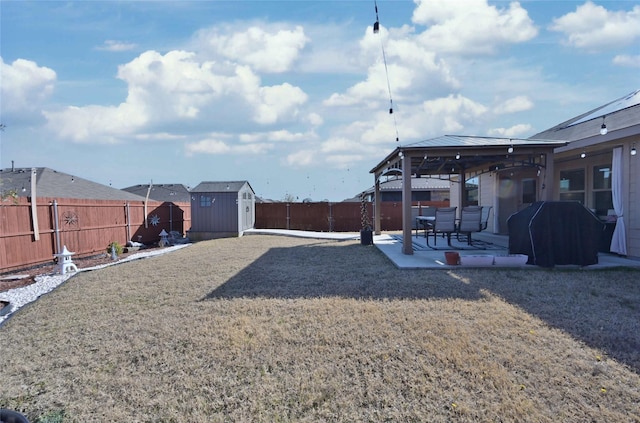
(601, 155)
(633, 213)
(487, 198)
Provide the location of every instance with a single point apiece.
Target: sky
(293, 96)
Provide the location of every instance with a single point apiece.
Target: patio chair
(444, 224)
(470, 221)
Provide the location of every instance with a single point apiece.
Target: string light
(376, 29)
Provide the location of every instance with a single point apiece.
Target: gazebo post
(376, 206)
(546, 190)
(407, 244)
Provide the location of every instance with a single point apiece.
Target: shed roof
(170, 193)
(220, 186)
(53, 184)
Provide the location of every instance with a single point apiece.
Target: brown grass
(267, 328)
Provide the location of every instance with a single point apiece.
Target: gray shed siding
(218, 214)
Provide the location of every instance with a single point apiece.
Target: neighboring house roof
(622, 115)
(417, 184)
(54, 184)
(221, 186)
(169, 193)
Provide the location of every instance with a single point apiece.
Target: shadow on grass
(598, 308)
(337, 270)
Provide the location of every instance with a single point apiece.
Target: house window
(572, 185)
(471, 191)
(602, 198)
(205, 201)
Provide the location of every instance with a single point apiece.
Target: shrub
(116, 245)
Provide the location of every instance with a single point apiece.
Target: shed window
(205, 201)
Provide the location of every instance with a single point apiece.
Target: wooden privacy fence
(31, 234)
(331, 217)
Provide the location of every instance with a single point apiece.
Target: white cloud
(338, 144)
(25, 86)
(516, 104)
(281, 135)
(218, 144)
(278, 102)
(314, 119)
(301, 158)
(626, 60)
(593, 27)
(116, 46)
(266, 48)
(453, 112)
(471, 26)
(176, 88)
(514, 131)
(410, 68)
(208, 146)
(95, 124)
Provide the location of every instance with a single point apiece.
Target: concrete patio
(424, 257)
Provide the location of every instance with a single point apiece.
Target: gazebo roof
(455, 154)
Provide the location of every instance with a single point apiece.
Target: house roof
(220, 186)
(170, 193)
(621, 117)
(53, 184)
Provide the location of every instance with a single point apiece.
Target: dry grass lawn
(268, 328)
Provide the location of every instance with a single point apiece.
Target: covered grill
(555, 233)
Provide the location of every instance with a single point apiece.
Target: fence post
(126, 208)
(288, 216)
(170, 217)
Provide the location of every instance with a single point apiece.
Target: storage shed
(221, 210)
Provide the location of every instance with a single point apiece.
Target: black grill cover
(555, 232)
